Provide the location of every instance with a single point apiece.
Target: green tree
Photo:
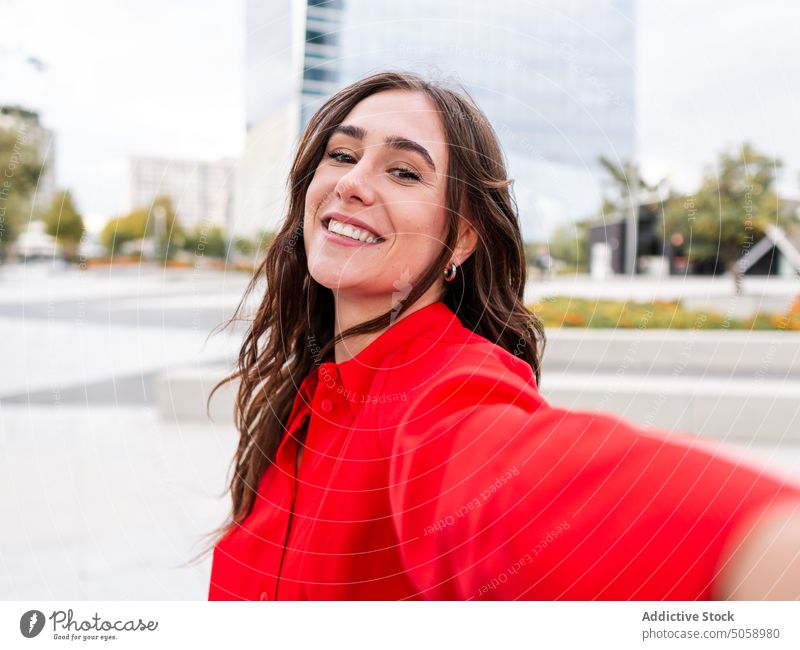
(255, 246)
(730, 211)
(245, 247)
(208, 241)
(570, 243)
(623, 174)
(164, 227)
(159, 224)
(622, 177)
(20, 169)
(128, 227)
(63, 221)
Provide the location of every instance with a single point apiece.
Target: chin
(352, 283)
(331, 278)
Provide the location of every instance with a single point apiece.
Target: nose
(356, 186)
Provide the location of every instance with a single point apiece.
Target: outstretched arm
(497, 495)
(763, 562)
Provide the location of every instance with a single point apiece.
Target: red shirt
(434, 469)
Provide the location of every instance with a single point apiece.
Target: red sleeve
(497, 495)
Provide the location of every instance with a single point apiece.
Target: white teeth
(347, 230)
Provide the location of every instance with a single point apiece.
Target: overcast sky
(151, 77)
(713, 73)
(129, 77)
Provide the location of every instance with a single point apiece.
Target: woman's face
(381, 184)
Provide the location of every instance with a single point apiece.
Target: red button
(264, 596)
(329, 372)
(326, 405)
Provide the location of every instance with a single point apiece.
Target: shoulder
(455, 352)
(457, 373)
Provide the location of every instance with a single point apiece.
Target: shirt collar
(356, 374)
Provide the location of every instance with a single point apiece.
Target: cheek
(313, 194)
(422, 240)
(311, 205)
(321, 186)
(428, 228)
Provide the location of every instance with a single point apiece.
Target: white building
(201, 192)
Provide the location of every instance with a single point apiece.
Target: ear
(466, 243)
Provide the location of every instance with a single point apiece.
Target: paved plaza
(103, 499)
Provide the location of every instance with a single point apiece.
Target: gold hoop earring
(450, 272)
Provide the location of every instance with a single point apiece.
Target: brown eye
(406, 174)
(340, 156)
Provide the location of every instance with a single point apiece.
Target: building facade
(201, 192)
(556, 79)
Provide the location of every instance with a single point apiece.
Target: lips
(353, 221)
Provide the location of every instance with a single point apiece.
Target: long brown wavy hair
(293, 327)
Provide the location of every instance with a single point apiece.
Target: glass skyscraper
(556, 79)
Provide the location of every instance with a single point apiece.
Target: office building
(556, 79)
(201, 192)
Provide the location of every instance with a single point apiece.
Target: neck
(353, 311)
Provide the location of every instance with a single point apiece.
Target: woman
(393, 441)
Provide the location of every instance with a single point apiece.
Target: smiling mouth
(351, 232)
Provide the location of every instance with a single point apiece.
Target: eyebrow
(392, 141)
